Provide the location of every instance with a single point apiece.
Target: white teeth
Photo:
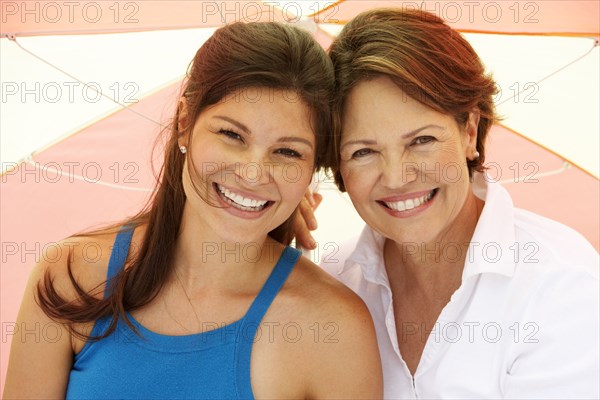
(409, 204)
(241, 202)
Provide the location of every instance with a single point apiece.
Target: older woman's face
(404, 164)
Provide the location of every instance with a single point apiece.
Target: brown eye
(361, 153)
(230, 134)
(423, 140)
(289, 153)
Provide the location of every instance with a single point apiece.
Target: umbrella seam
(45, 168)
(595, 44)
(125, 107)
(565, 166)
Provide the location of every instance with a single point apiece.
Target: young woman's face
(404, 164)
(254, 155)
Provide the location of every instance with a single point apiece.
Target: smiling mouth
(409, 204)
(240, 202)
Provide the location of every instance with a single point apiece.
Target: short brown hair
(426, 58)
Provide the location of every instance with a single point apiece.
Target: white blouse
(523, 324)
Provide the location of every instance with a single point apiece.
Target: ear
(182, 121)
(471, 134)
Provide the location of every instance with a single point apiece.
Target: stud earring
(475, 155)
(183, 149)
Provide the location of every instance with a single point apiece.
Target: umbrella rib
(45, 168)
(553, 73)
(565, 166)
(125, 107)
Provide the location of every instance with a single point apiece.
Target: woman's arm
(41, 352)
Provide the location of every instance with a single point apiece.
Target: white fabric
(523, 324)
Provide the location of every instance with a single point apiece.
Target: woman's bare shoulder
(336, 348)
(84, 258)
(322, 296)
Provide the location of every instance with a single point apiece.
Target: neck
(204, 259)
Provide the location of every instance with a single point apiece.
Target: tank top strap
(116, 263)
(118, 255)
(278, 276)
(252, 319)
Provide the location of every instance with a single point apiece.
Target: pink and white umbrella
(86, 87)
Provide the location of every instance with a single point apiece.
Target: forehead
(379, 105)
(264, 109)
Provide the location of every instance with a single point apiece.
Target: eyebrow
(295, 139)
(244, 128)
(351, 142)
(234, 122)
(416, 131)
(407, 135)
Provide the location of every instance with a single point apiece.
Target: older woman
(471, 297)
(199, 296)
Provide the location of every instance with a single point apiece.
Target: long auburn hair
(236, 56)
(423, 56)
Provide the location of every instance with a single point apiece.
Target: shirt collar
(492, 249)
(368, 254)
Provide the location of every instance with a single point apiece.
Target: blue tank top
(207, 365)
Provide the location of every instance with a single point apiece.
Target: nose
(255, 169)
(397, 171)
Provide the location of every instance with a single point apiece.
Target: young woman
(198, 296)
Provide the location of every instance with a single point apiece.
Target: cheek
(185, 178)
(294, 181)
(356, 179)
(445, 166)
(209, 160)
(196, 178)
(190, 190)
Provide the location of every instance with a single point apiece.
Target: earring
(183, 149)
(475, 154)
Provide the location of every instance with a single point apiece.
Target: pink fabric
(41, 208)
(45, 17)
(527, 17)
(570, 197)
